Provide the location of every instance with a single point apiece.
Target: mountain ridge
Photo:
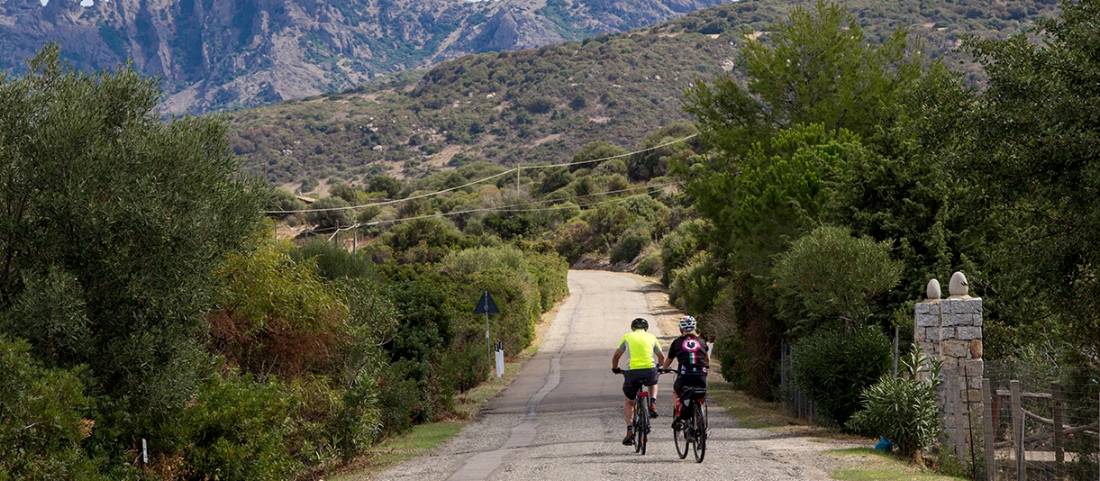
(542, 105)
(213, 54)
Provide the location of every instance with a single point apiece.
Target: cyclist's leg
(631, 383)
(651, 382)
(677, 388)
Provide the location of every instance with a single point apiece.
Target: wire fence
(1037, 426)
(796, 402)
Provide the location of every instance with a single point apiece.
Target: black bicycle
(690, 433)
(641, 419)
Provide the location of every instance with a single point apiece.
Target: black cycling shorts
(634, 379)
(696, 381)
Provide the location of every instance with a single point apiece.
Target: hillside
(543, 104)
(233, 53)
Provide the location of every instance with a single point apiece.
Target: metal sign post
(487, 306)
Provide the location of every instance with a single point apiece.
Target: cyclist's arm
(615, 358)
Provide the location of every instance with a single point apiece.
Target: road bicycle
(690, 433)
(641, 419)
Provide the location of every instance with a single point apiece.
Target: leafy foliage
(835, 366)
(903, 409)
(238, 427)
(42, 427)
(828, 275)
(125, 217)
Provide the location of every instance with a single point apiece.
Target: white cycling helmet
(687, 323)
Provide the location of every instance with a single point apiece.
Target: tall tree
(1032, 152)
(123, 218)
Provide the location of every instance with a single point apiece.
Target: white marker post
(500, 359)
(144, 452)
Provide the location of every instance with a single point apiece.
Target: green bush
(237, 430)
(680, 245)
(279, 199)
(829, 275)
(627, 248)
(359, 420)
(903, 409)
(333, 262)
(331, 218)
(834, 366)
(650, 264)
(400, 397)
(695, 284)
(41, 424)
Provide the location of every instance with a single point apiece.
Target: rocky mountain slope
(543, 104)
(213, 54)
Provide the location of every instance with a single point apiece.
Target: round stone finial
(959, 287)
(933, 291)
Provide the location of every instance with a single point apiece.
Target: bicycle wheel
(641, 433)
(680, 436)
(637, 426)
(699, 422)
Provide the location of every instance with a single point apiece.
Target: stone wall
(951, 331)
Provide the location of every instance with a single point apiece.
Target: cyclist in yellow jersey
(640, 348)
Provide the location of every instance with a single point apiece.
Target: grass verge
(423, 438)
(748, 411)
(865, 464)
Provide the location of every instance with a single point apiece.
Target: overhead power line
(619, 156)
(509, 208)
(478, 181)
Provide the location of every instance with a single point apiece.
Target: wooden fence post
(1059, 406)
(1018, 430)
(987, 432)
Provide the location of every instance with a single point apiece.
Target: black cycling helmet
(639, 323)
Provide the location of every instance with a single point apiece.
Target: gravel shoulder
(561, 418)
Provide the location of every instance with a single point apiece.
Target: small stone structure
(951, 330)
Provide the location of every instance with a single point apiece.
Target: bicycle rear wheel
(699, 423)
(637, 425)
(680, 436)
(642, 431)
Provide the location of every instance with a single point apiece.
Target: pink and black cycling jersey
(690, 352)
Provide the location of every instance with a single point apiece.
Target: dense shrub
(276, 315)
(650, 264)
(903, 409)
(237, 430)
(279, 199)
(399, 395)
(834, 366)
(385, 184)
(627, 248)
(680, 245)
(695, 284)
(333, 262)
(331, 218)
(41, 421)
(829, 275)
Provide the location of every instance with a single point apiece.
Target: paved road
(562, 417)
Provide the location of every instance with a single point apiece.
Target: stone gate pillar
(951, 330)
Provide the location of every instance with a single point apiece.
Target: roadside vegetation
(833, 189)
(145, 303)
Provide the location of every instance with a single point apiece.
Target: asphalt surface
(561, 419)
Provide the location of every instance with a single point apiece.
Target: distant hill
(543, 104)
(230, 53)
